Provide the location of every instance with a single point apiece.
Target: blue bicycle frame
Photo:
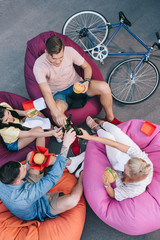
(119, 26)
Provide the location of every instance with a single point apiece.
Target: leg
(118, 134)
(60, 99)
(116, 158)
(61, 105)
(23, 142)
(102, 89)
(69, 201)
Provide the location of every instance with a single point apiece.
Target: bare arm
(45, 89)
(87, 69)
(87, 74)
(35, 133)
(120, 146)
(108, 187)
(20, 112)
(57, 116)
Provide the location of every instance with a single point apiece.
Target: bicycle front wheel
(132, 88)
(87, 28)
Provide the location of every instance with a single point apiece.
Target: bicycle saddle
(122, 18)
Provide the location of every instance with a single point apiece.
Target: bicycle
(132, 80)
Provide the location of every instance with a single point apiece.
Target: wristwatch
(107, 186)
(87, 79)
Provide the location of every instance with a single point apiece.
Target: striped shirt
(130, 190)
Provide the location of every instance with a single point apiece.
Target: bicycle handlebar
(158, 39)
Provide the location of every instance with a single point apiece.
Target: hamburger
(110, 174)
(32, 113)
(39, 158)
(78, 88)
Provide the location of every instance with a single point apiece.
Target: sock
(75, 147)
(79, 170)
(59, 140)
(75, 162)
(115, 121)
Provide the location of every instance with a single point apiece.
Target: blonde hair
(138, 168)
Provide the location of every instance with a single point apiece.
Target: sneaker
(77, 173)
(76, 161)
(115, 121)
(75, 148)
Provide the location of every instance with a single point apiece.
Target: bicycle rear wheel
(79, 25)
(142, 86)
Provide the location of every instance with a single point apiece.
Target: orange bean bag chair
(67, 226)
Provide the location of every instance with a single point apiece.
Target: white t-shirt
(62, 77)
(130, 190)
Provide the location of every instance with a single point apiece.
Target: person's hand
(69, 137)
(105, 180)
(40, 115)
(52, 160)
(57, 134)
(60, 119)
(86, 85)
(85, 134)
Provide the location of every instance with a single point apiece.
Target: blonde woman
(134, 168)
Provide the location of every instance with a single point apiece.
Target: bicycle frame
(118, 26)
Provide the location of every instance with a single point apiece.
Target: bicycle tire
(125, 90)
(75, 24)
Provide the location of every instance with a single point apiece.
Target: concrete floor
(21, 20)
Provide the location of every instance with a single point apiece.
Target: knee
(39, 129)
(104, 88)
(73, 200)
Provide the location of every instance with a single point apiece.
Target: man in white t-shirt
(55, 74)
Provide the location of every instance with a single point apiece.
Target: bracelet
(87, 79)
(107, 186)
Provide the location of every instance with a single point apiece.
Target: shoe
(92, 124)
(115, 121)
(76, 161)
(77, 173)
(75, 148)
(99, 122)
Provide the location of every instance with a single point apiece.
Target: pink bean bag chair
(135, 216)
(35, 48)
(15, 101)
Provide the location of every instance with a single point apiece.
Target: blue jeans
(12, 146)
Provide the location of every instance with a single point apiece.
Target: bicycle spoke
(86, 22)
(141, 86)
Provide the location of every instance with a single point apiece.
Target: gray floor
(21, 20)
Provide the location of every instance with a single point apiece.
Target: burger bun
(110, 174)
(78, 88)
(39, 158)
(32, 113)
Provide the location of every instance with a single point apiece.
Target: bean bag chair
(15, 101)
(68, 225)
(139, 215)
(35, 48)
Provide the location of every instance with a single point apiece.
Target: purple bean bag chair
(35, 48)
(135, 216)
(15, 101)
